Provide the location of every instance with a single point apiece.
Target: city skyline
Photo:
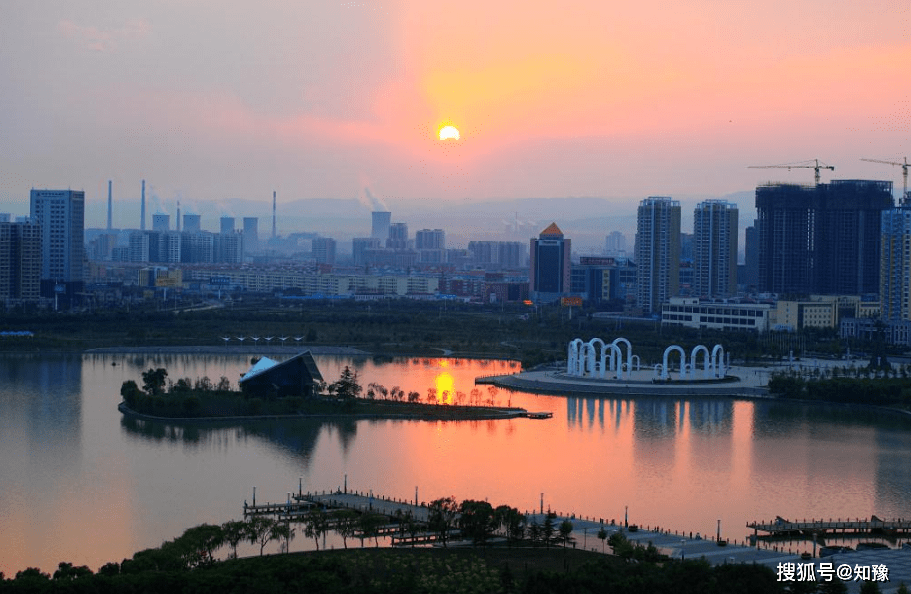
(343, 101)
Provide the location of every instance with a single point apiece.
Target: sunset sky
(219, 100)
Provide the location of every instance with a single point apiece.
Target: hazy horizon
(218, 102)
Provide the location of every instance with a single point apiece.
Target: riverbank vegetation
(862, 385)
(161, 396)
(531, 334)
(546, 562)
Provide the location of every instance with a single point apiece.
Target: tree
(441, 515)
(512, 520)
(602, 534)
(282, 531)
(153, 381)
(259, 531)
(477, 520)
(130, 392)
(198, 544)
(346, 387)
(66, 572)
(234, 532)
(369, 524)
(566, 530)
(549, 528)
(345, 524)
(316, 524)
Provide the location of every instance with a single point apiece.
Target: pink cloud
(104, 40)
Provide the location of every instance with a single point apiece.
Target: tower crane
(904, 167)
(814, 165)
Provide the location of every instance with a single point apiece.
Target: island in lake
(292, 388)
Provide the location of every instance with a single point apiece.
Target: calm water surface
(79, 483)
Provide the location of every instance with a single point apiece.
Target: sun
(449, 133)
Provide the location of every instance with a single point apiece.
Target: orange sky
(227, 100)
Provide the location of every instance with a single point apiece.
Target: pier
(821, 528)
(676, 545)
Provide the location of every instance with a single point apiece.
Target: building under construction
(821, 239)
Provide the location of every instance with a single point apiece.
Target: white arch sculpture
(668, 351)
(594, 368)
(573, 359)
(707, 364)
(617, 364)
(718, 366)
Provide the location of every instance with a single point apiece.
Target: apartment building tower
(657, 252)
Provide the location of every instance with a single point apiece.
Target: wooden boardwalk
(782, 527)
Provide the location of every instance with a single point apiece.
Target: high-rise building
(895, 271)
(822, 239)
(227, 225)
(360, 247)
(848, 236)
(751, 255)
(60, 217)
(228, 248)
(615, 244)
(715, 249)
(398, 236)
(20, 262)
(657, 252)
(324, 250)
(430, 239)
(251, 234)
(431, 246)
(380, 229)
(197, 247)
(549, 265)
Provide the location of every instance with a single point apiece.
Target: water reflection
(297, 437)
(42, 397)
(92, 486)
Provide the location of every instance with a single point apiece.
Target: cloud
(103, 40)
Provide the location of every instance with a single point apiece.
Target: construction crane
(814, 164)
(904, 167)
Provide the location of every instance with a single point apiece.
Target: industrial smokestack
(273, 214)
(142, 208)
(109, 205)
(178, 216)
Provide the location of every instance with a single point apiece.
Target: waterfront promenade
(740, 381)
(677, 545)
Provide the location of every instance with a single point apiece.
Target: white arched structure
(707, 364)
(574, 358)
(665, 369)
(718, 366)
(597, 368)
(618, 363)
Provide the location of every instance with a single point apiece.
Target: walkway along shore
(677, 545)
(561, 384)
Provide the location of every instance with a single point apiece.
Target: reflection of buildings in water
(892, 494)
(43, 393)
(584, 411)
(711, 417)
(296, 438)
(655, 418)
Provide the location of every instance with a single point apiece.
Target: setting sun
(449, 133)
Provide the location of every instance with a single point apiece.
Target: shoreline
(494, 414)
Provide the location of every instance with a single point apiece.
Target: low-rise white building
(716, 314)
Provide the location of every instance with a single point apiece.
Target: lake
(82, 484)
